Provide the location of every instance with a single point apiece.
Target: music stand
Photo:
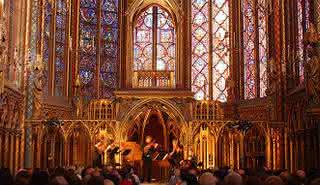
(161, 156)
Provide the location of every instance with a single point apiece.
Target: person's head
(89, 171)
(96, 180)
(59, 180)
(73, 179)
(108, 182)
(301, 174)
(241, 172)
(207, 179)
(233, 179)
(109, 168)
(284, 175)
(22, 178)
(148, 139)
(273, 180)
(177, 172)
(40, 178)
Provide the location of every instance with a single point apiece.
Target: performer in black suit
(112, 150)
(176, 154)
(100, 147)
(148, 150)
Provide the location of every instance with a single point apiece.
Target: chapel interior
(237, 82)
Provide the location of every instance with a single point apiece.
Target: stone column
(268, 152)
(17, 153)
(286, 165)
(242, 165)
(12, 153)
(6, 150)
(1, 149)
(28, 148)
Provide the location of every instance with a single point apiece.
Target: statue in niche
(230, 87)
(272, 77)
(3, 40)
(312, 38)
(313, 71)
(38, 84)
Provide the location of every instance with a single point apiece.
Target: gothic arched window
(254, 48)
(211, 49)
(98, 48)
(154, 45)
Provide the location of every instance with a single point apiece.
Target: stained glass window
(255, 75)
(221, 48)
(262, 27)
(46, 43)
(303, 8)
(200, 45)
(60, 37)
(102, 85)
(154, 41)
(206, 14)
(109, 43)
(88, 57)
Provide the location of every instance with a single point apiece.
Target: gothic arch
(165, 105)
(138, 6)
(134, 9)
(81, 125)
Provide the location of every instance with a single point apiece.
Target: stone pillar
(242, 165)
(11, 153)
(1, 149)
(38, 152)
(28, 148)
(268, 152)
(18, 152)
(6, 151)
(286, 165)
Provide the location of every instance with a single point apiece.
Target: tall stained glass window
(46, 43)
(109, 43)
(211, 49)
(98, 48)
(302, 13)
(88, 49)
(255, 53)
(60, 44)
(154, 41)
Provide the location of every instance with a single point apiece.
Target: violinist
(149, 149)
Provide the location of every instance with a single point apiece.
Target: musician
(176, 154)
(148, 150)
(100, 147)
(112, 150)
